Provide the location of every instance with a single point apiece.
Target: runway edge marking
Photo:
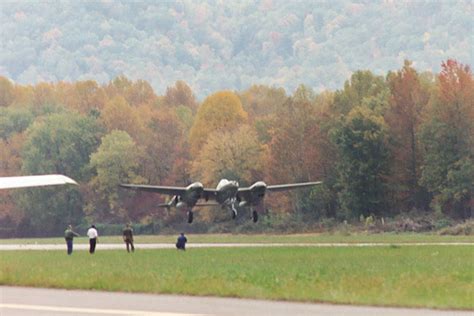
(44, 308)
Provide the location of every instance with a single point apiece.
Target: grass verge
(429, 276)
(263, 238)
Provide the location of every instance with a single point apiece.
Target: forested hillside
(217, 45)
(383, 145)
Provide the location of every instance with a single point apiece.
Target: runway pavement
(18, 301)
(215, 245)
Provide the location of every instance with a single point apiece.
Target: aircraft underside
(227, 194)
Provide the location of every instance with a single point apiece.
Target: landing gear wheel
(254, 216)
(190, 217)
(234, 214)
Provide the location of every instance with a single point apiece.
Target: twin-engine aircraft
(227, 194)
(34, 181)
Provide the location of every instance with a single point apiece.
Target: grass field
(262, 238)
(427, 276)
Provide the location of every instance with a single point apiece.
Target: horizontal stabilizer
(208, 204)
(291, 186)
(166, 205)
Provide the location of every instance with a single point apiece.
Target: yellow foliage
(221, 111)
(235, 155)
(119, 115)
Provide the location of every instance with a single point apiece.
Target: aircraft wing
(34, 181)
(155, 188)
(291, 186)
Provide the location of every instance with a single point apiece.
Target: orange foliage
(456, 94)
(408, 99)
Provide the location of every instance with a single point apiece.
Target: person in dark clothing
(181, 243)
(69, 235)
(127, 234)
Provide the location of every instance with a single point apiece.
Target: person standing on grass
(181, 243)
(93, 236)
(127, 234)
(69, 235)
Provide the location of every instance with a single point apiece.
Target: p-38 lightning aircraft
(227, 194)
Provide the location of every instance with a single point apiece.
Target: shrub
(466, 228)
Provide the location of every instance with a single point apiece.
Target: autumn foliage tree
(448, 140)
(404, 116)
(180, 94)
(119, 115)
(6, 91)
(162, 138)
(221, 111)
(233, 154)
(381, 145)
(295, 152)
(85, 96)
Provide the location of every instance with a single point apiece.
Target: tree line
(382, 145)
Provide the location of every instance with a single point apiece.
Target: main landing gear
(254, 216)
(190, 216)
(232, 208)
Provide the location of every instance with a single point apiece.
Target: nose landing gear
(190, 216)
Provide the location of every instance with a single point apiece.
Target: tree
(294, 149)
(162, 138)
(262, 101)
(115, 161)
(448, 141)
(6, 92)
(119, 115)
(10, 165)
(180, 94)
(220, 112)
(23, 96)
(235, 155)
(298, 150)
(262, 104)
(44, 94)
(362, 87)
(140, 93)
(120, 85)
(135, 93)
(60, 143)
(362, 143)
(408, 100)
(86, 97)
(14, 120)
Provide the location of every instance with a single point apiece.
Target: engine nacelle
(180, 204)
(243, 204)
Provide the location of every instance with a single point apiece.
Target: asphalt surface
(18, 301)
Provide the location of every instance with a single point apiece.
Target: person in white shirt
(93, 235)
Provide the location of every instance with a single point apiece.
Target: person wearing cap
(93, 236)
(127, 234)
(69, 235)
